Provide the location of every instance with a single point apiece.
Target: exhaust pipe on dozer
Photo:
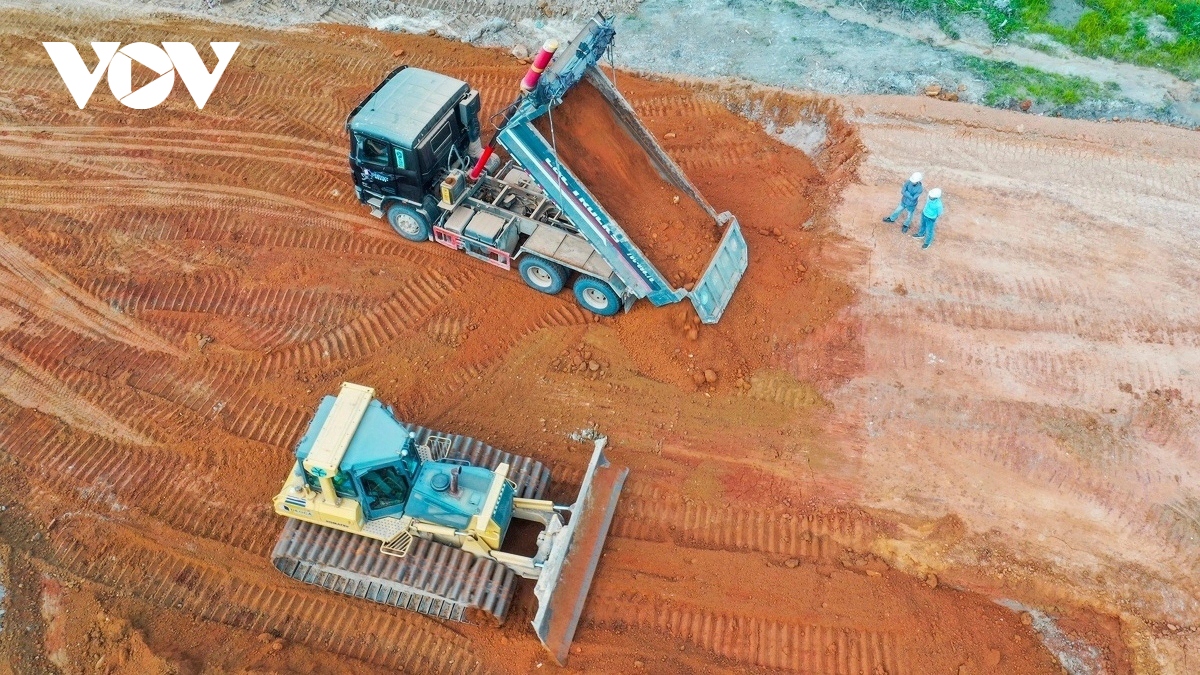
(566, 576)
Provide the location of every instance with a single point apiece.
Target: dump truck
(418, 159)
(418, 519)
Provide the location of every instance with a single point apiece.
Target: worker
(929, 216)
(910, 194)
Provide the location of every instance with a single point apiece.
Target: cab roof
(378, 439)
(406, 105)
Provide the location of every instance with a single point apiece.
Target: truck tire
(542, 275)
(596, 296)
(408, 222)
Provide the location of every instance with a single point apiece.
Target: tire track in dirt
(792, 645)
(118, 558)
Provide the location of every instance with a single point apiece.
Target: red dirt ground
(178, 288)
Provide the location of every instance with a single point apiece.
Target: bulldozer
(406, 516)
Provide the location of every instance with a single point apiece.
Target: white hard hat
(916, 177)
(935, 193)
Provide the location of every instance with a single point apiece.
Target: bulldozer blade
(563, 585)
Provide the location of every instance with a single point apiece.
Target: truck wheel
(542, 275)
(408, 222)
(596, 296)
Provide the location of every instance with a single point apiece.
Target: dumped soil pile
(677, 235)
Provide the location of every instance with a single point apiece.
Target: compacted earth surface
(974, 458)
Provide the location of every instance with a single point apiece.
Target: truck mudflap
(712, 293)
(563, 584)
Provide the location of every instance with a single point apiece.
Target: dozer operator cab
(407, 134)
(384, 473)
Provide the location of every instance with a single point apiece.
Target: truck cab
(404, 137)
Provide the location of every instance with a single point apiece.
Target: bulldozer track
(243, 227)
(125, 561)
(564, 313)
(792, 645)
(186, 293)
(221, 400)
(433, 579)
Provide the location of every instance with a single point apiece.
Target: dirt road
(179, 288)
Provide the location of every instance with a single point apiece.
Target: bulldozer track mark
(654, 517)
(38, 288)
(403, 311)
(113, 477)
(672, 107)
(223, 296)
(164, 390)
(651, 513)
(52, 150)
(175, 194)
(144, 414)
(565, 314)
(225, 225)
(226, 594)
(782, 390)
(562, 314)
(242, 224)
(793, 645)
(181, 134)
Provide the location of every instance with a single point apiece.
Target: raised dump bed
(675, 231)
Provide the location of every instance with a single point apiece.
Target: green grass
(1010, 82)
(1119, 30)
(1116, 29)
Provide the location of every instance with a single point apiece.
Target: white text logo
(171, 58)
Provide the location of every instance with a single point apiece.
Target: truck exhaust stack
(539, 65)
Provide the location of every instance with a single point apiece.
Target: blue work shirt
(909, 194)
(933, 209)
